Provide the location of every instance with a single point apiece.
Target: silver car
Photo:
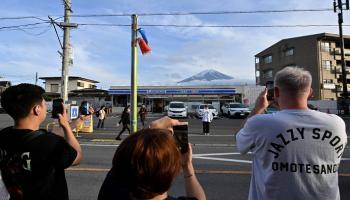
(235, 110)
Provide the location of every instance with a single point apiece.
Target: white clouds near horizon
(103, 53)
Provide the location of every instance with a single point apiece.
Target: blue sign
(74, 112)
(175, 91)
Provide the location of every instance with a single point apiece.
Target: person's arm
(245, 137)
(70, 138)
(261, 105)
(192, 186)
(166, 123)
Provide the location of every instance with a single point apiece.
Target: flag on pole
(143, 34)
(143, 42)
(143, 46)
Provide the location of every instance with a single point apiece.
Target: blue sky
(103, 53)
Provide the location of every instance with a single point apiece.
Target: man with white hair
(296, 151)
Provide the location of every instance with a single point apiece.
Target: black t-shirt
(47, 155)
(114, 188)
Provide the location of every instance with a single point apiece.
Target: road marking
(200, 135)
(215, 145)
(198, 171)
(111, 140)
(224, 159)
(214, 154)
(99, 145)
(103, 140)
(240, 172)
(82, 169)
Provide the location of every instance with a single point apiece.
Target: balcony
(329, 86)
(338, 70)
(337, 51)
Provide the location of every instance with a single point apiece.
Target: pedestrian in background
(101, 117)
(207, 117)
(125, 120)
(143, 113)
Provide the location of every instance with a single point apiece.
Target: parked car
(200, 109)
(235, 110)
(177, 109)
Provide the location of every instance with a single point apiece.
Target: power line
(22, 25)
(101, 24)
(206, 13)
(173, 13)
(216, 26)
(24, 17)
(27, 28)
(30, 17)
(36, 34)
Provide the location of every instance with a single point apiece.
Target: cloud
(103, 53)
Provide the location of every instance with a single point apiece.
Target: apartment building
(319, 54)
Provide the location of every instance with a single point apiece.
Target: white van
(177, 109)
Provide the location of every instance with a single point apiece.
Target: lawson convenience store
(157, 97)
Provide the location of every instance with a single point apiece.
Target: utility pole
(134, 58)
(338, 8)
(36, 78)
(66, 46)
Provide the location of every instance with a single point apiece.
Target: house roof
(70, 78)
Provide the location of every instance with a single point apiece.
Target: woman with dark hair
(101, 117)
(145, 165)
(125, 120)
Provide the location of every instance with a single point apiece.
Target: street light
(338, 8)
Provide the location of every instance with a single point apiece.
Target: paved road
(224, 174)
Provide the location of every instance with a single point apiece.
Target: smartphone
(270, 90)
(181, 137)
(84, 108)
(57, 108)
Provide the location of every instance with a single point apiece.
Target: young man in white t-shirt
(206, 119)
(296, 151)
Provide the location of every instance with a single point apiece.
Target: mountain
(207, 75)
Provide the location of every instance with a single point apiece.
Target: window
(268, 73)
(326, 46)
(328, 84)
(328, 81)
(289, 52)
(267, 59)
(257, 73)
(80, 84)
(326, 64)
(54, 87)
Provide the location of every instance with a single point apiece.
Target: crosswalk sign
(74, 112)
